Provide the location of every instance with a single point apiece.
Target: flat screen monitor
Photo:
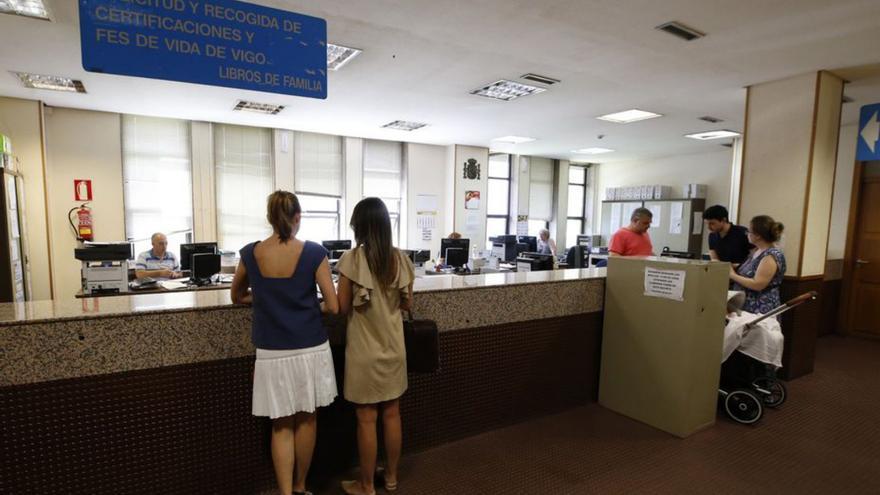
(418, 255)
(585, 241)
(537, 261)
(530, 240)
(455, 251)
(336, 247)
(188, 250)
(205, 266)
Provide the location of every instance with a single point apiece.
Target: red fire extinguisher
(83, 230)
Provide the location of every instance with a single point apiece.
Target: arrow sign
(868, 148)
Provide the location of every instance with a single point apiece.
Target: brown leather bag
(422, 340)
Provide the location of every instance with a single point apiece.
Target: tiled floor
(824, 439)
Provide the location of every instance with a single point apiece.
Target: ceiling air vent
(727, 145)
(549, 81)
(678, 29)
(713, 120)
(250, 106)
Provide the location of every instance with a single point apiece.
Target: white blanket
(762, 342)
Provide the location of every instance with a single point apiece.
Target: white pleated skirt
(293, 380)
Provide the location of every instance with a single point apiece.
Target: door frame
(849, 258)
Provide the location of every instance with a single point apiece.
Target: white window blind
(540, 189)
(318, 164)
(157, 180)
(243, 170)
(383, 178)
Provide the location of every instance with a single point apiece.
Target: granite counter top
(82, 309)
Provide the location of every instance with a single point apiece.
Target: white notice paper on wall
(616, 208)
(427, 234)
(668, 284)
(426, 203)
(522, 225)
(426, 221)
(698, 223)
(656, 219)
(675, 220)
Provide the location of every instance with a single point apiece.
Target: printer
(104, 266)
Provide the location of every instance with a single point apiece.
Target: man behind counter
(157, 262)
(727, 242)
(633, 240)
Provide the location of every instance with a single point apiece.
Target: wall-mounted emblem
(471, 169)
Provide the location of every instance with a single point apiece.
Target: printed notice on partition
(668, 284)
(675, 220)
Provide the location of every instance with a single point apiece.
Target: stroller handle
(808, 296)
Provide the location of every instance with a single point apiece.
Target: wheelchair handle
(809, 296)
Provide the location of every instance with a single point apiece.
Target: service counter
(152, 392)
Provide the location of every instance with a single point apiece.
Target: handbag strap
(407, 314)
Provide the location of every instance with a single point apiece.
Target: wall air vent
(265, 108)
(549, 81)
(712, 120)
(678, 29)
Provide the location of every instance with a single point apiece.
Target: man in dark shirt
(727, 242)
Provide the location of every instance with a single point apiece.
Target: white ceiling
(422, 57)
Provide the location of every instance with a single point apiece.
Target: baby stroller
(751, 355)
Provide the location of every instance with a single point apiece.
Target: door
(864, 310)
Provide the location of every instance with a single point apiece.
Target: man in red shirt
(633, 240)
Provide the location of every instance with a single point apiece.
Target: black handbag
(422, 341)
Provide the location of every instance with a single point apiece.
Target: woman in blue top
(761, 274)
(293, 374)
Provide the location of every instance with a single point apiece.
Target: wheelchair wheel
(743, 406)
(772, 391)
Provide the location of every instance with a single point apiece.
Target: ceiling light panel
(338, 55)
(703, 136)
(55, 83)
(403, 125)
(507, 90)
(27, 8)
(513, 139)
(628, 116)
(264, 108)
(592, 151)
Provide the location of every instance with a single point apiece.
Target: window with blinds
(577, 193)
(383, 178)
(244, 180)
(318, 161)
(498, 197)
(540, 192)
(157, 181)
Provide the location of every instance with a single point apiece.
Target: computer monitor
(531, 240)
(204, 266)
(336, 247)
(417, 255)
(585, 241)
(534, 262)
(455, 251)
(188, 250)
(504, 247)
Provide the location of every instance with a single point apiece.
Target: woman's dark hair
(372, 231)
(766, 228)
(716, 212)
(281, 211)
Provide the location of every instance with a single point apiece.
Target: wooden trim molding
(817, 91)
(742, 158)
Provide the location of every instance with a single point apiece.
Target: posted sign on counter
(668, 284)
(215, 42)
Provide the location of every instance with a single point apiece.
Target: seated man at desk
(157, 262)
(633, 240)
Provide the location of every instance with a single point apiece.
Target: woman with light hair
(546, 245)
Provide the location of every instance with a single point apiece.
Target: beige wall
(822, 175)
(426, 173)
(82, 145)
(776, 157)
(21, 121)
(843, 180)
(712, 168)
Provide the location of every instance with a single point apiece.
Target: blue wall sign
(868, 147)
(215, 42)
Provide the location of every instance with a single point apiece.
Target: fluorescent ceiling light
(592, 151)
(628, 116)
(703, 136)
(56, 83)
(27, 8)
(514, 139)
(507, 90)
(338, 55)
(403, 125)
(251, 106)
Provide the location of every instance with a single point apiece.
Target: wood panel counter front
(171, 374)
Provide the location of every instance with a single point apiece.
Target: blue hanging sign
(215, 42)
(868, 147)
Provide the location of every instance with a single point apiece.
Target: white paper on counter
(668, 284)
